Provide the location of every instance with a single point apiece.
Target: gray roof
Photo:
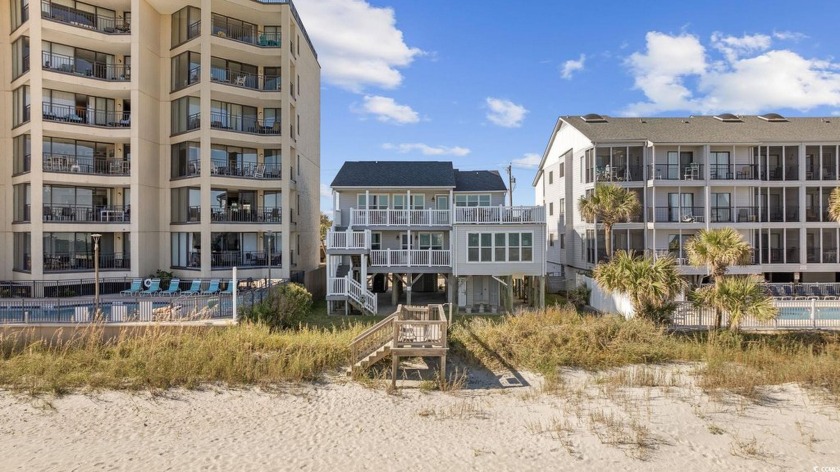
(395, 174)
(416, 174)
(708, 129)
(479, 180)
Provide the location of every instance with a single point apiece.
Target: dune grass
(161, 358)
(728, 361)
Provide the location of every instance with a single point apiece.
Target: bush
(286, 306)
(579, 297)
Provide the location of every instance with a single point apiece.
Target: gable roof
(746, 129)
(479, 180)
(395, 174)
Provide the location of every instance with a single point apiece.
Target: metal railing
(241, 259)
(815, 173)
(193, 77)
(86, 116)
(677, 215)
(244, 124)
(246, 214)
(94, 70)
(410, 258)
(83, 19)
(392, 217)
(83, 261)
(249, 35)
(793, 314)
(85, 165)
(780, 173)
(609, 173)
(87, 213)
(349, 240)
(245, 169)
(246, 80)
(499, 215)
(675, 172)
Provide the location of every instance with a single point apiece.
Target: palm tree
(739, 296)
(609, 204)
(717, 249)
(650, 284)
(834, 204)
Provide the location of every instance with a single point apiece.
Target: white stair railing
(361, 295)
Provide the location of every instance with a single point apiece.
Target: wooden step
(374, 357)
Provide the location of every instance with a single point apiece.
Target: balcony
(87, 214)
(84, 261)
(245, 80)
(93, 70)
(500, 215)
(348, 240)
(85, 116)
(242, 124)
(619, 174)
(236, 30)
(410, 258)
(235, 169)
(392, 217)
(676, 172)
(815, 173)
(245, 214)
(83, 19)
(779, 255)
(91, 165)
(681, 258)
(224, 259)
(677, 215)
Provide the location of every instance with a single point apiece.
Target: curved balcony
(267, 83)
(92, 70)
(84, 19)
(86, 116)
(91, 165)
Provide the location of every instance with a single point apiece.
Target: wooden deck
(411, 331)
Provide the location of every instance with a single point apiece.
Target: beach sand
(337, 425)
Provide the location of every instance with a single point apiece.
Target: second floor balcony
(349, 240)
(499, 215)
(397, 217)
(410, 258)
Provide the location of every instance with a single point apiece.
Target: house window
(430, 241)
(398, 201)
(377, 201)
(561, 208)
(465, 200)
(418, 202)
(561, 171)
(550, 178)
(562, 241)
(551, 209)
(376, 241)
(551, 239)
(500, 247)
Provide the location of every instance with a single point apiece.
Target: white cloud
(387, 110)
(737, 74)
(427, 150)
(505, 113)
(571, 66)
(789, 35)
(528, 161)
(358, 45)
(326, 191)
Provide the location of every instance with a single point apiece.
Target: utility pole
(511, 182)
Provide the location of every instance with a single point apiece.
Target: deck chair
(195, 288)
(787, 290)
(774, 291)
(831, 293)
(799, 290)
(136, 287)
(229, 289)
(212, 289)
(154, 288)
(240, 81)
(174, 288)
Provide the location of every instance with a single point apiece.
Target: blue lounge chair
(174, 288)
(195, 288)
(799, 290)
(774, 292)
(212, 289)
(153, 289)
(831, 291)
(788, 291)
(136, 287)
(816, 292)
(229, 289)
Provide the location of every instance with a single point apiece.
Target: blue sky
(481, 83)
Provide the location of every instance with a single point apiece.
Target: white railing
(500, 215)
(391, 217)
(337, 286)
(347, 287)
(348, 240)
(410, 258)
(793, 314)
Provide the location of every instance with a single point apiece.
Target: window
(376, 241)
(551, 239)
(551, 208)
(185, 114)
(561, 171)
(186, 205)
(430, 241)
(550, 177)
(588, 163)
(22, 153)
(186, 70)
(272, 78)
(23, 252)
(721, 211)
(22, 202)
(186, 25)
(186, 250)
(465, 200)
(500, 247)
(19, 13)
(377, 201)
(186, 159)
(562, 241)
(232, 72)
(561, 208)
(21, 101)
(20, 57)
(398, 201)
(418, 202)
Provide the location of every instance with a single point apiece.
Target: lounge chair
(774, 291)
(787, 290)
(136, 287)
(153, 289)
(174, 288)
(212, 289)
(816, 292)
(831, 291)
(195, 288)
(799, 290)
(229, 289)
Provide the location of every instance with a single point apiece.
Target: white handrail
(500, 214)
(395, 217)
(411, 258)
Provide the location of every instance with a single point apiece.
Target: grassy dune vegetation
(539, 341)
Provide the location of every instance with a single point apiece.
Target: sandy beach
(587, 424)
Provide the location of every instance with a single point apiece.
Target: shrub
(164, 277)
(286, 306)
(579, 297)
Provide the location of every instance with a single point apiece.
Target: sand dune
(340, 425)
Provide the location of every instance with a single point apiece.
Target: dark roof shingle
(395, 174)
(479, 180)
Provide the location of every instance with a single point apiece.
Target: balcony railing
(64, 163)
(815, 173)
(814, 214)
(86, 116)
(83, 19)
(392, 217)
(826, 255)
(242, 34)
(193, 76)
(84, 261)
(87, 214)
(244, 124)
(681, 257)
(499, 215)
(677, 215)
(246, 214)
(94, 70)
(246, 170)
(676, 172)
(618, 173)
(246, 80)
(348, 240)
(779, 255)
(780, 173)
(240, 258)
(410, 258)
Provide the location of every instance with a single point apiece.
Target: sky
(481, 83)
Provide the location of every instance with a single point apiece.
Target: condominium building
(432, 230)
(767, 176)
(186, 133)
